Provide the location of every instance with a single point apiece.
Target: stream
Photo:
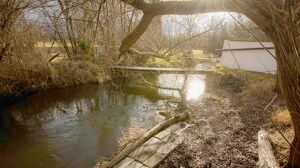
(76, 126)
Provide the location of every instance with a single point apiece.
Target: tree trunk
(286, 39)
(289, 82)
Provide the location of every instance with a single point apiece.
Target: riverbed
(74, 127)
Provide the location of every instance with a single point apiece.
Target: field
(178, 60)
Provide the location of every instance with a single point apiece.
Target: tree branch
(188, 7)
(136, 34)
(147, 54)
(138, 4)
(254, 9)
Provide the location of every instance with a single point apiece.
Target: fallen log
(150, 133)
(265, 151)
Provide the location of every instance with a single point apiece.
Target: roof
(245, 45)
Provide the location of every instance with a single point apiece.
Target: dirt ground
(223, 133)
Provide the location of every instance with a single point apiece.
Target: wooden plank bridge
(155, 150)
(160, 70)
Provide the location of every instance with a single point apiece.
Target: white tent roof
(250, 56)
(245, 45)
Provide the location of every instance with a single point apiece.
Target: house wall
(258, 60)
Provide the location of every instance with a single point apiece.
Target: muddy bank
(225, 123)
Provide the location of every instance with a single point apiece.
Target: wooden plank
(154, 150)
(170, 138)
(170, 133)
(135, 164)
(167, 148)
(150, 133)
(125, 162)
(137, 68)
(155, 159)
(161, 154)
(147, 150)
(163, 134)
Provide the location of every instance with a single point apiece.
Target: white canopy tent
(250, 56)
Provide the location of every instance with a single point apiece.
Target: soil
(223, 133)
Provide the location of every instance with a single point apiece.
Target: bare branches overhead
(139, 4)
(136, 34)
(180, 7)
(254, 9)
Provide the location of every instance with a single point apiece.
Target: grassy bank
(20, 78)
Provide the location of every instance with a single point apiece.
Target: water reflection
(73, 127)
(195, 85)
(48, 130)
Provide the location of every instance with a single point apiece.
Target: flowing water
(74, 127)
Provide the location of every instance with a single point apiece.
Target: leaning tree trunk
(286, 39)
(289, 82)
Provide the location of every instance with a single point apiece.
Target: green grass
(176, 60)
(200, 54)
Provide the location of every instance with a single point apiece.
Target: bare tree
(9, 11)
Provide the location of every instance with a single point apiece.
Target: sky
(176, 24)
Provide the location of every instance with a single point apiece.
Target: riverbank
(225, 123)
(19, 79)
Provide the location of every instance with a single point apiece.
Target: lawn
(177, 60)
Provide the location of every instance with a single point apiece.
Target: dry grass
(254, 88)
(283, 119)
(19, 77)
(254, 91)
(130, 135)
(261, 93)
(48, 44)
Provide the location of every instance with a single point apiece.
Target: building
(250, 56)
